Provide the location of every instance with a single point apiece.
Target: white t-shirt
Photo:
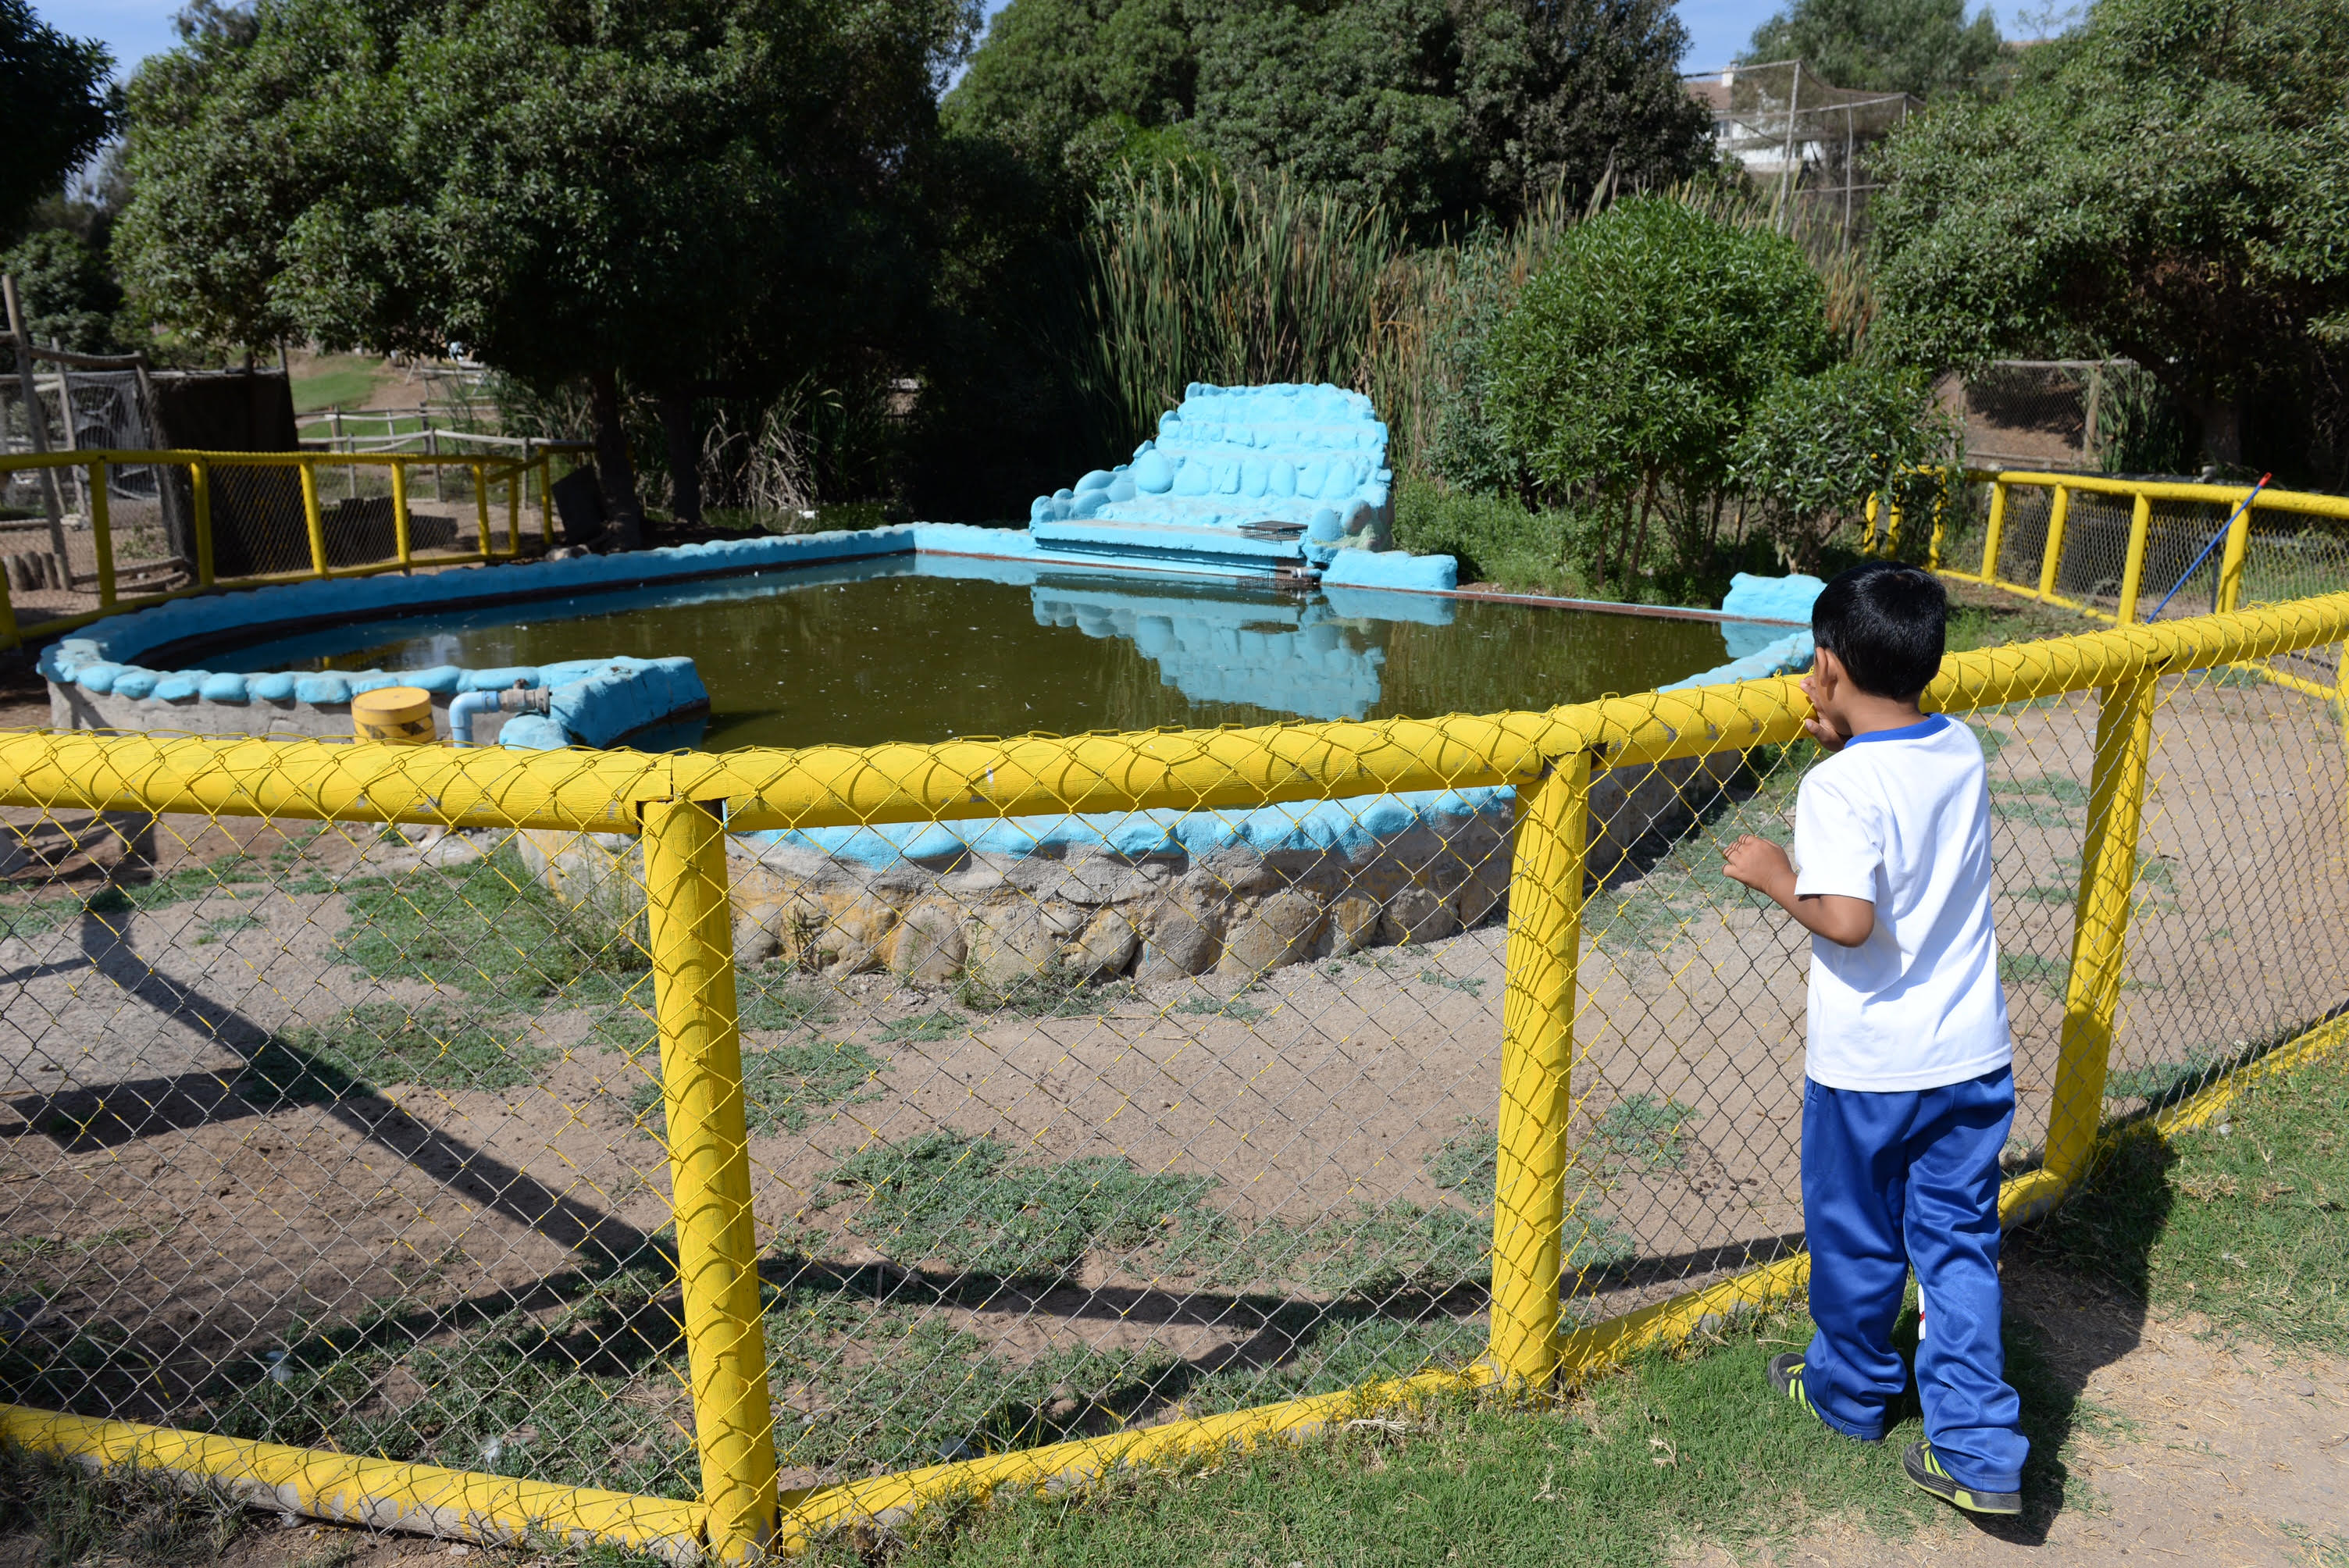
(1901, 818)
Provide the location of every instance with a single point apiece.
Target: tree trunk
(624, 525)
(2221, 420)
(1639, 539)
(684, 456)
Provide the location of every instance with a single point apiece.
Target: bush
(1634, 354)
(1816, 448)
(1495, 537)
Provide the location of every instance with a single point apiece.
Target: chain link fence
(616, 1144)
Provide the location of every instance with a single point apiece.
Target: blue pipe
(2198, 560)
(462, 710)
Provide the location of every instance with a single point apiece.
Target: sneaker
(1786, 1376)
(1927, 1472)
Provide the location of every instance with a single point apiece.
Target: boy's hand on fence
(1760, 865)
(1818, 726)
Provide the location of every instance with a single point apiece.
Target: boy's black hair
(1888, 624)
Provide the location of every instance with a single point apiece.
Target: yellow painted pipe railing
(514, 472)
(683, 805)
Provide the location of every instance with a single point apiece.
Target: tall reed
(1204, 278)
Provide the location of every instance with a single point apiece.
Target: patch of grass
(228, 925)
(2241, 1221)
(592, 1391)
(1467, 1164)
(1676, 1449)
(964, 1203)
(379, 1043)
(2161, 1082)
(1045, 995)
(2030, 969)
(1236, 1007)
(785, 1087)
(940, 1025)
(230, 877)
(488, 927)
(1644, 1132)
(1465, 984)
(123, 1514)
(337, 381)
(770, 999)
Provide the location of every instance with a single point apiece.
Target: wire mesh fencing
(722, 1128)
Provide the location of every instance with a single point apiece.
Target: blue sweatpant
(1906, 1179)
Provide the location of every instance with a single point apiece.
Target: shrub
(1634, 354)
(1816, 448)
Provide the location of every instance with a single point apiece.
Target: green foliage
(68, 291)
(1645, 1131)
(1636, 352)
(1921, 46)
(1467, 1164)
(2164, 184)
(56, 108)
(2138, 430)
(963, 1203)
(1496, 538)
(121, 1514)
(1814, 447)
(1431, 111)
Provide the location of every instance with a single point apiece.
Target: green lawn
(339, 380)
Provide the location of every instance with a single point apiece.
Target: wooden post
(36, 423)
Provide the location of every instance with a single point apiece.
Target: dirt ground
(2188, 1447)
(192, 1225)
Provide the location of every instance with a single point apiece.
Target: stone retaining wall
(1086, 913)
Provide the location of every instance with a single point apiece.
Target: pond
(931, 648)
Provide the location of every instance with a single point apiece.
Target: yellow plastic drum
(398, 716)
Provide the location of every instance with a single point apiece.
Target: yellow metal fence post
(1994, 534)
(1545, 950)
(101, 535)
(2116, 791)
(481, 505)
(691, 934)
(1941, 520)
(402, 539)
(513, 512)
(312, 521)
(199, 481)
(2052, 555)
(545, 505)
(2231, 559)
(2133, 568)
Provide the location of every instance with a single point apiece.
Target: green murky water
(906, 650)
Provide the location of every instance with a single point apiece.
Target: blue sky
(135, 29)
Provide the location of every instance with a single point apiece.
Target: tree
(1921, 46)
(1436, 110)
(2164, 184)
(56, 106)
(681, 194)
(68, 293)
(1633, 360)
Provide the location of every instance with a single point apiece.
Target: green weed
(1644, 1132)
(229, 877)
(121, 1514)
(228, 925)
(1467, 1164)
(487, 927)
(1045, 995)
(963, 1203)
(940, 1024)
(1238, 1009)
(785, 1087)
(1466, 984)
(2030, 969)
(380, 1043)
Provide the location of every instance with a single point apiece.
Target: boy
(1911, 1084)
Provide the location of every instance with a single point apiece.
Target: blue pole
(2207, 549)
